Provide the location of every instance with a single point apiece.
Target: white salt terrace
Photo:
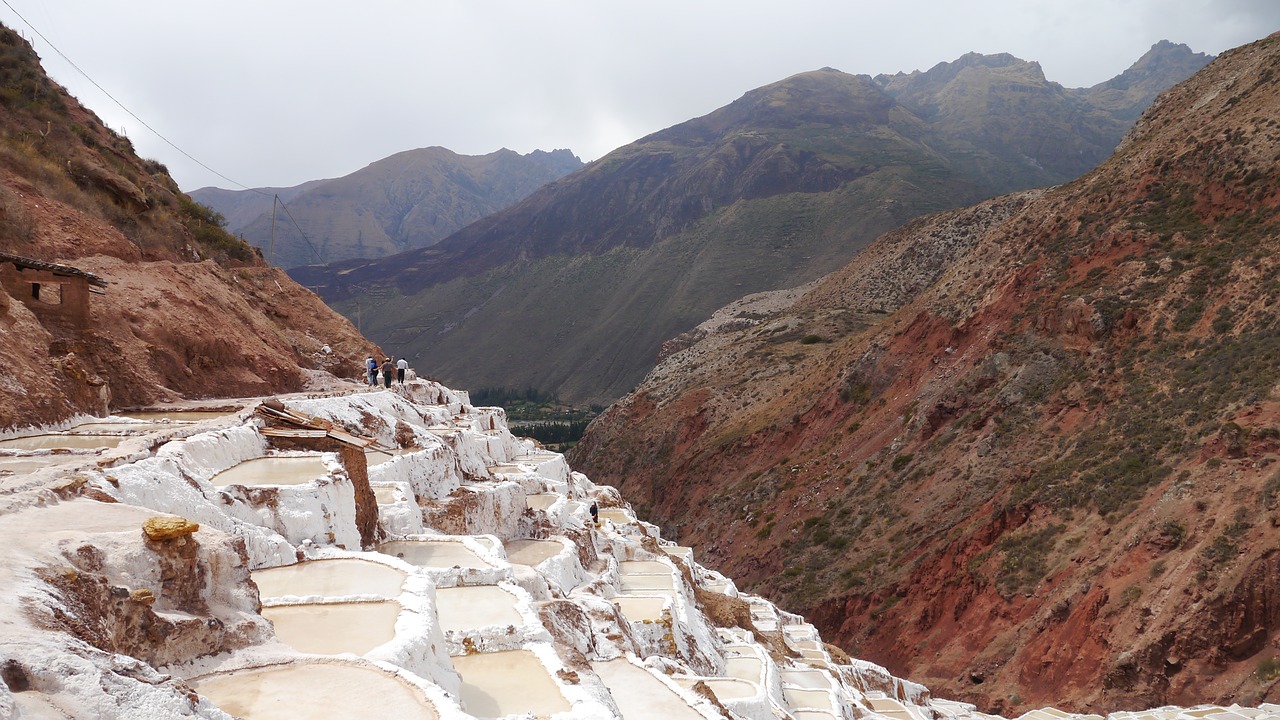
(341, 577)
(463, 609)
(332, 628)
(283, 470)
(341, 604)
(505, 683)
(316, 691)
(434, 554)
(532, 552)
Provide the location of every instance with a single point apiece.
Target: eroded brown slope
(189, 311)
(1024, 453)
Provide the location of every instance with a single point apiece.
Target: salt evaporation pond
(342, 577)
(807, 698)
(316, 691)
(461, 609)
(187, 415)
(532, 552)
(21, 465)
(377, 457)
(639, 695)
(812, 715)
(287, 470)
(505, 683)
(639, 609)
(91, 428)
(434, 554)
(617, 515)
(807, 679)
(385, 495)
(541, 501)
(643, 567)
(332, 628)
(63, 442)
(648, 584)
(746, 667)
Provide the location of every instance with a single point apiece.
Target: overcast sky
(278, 92)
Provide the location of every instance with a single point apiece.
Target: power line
(171, 144)
(132, 114)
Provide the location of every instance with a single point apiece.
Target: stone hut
(53, 292)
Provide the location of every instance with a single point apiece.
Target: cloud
(287, 91)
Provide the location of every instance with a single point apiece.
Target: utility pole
(271, 246)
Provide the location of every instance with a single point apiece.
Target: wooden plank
(294, 432)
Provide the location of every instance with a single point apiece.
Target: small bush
(1269, 669)
(811, 339)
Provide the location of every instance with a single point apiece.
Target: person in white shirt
(401, 366)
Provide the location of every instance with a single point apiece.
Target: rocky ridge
(114, 607)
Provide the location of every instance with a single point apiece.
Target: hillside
(186, 310)
(409, 200)
(574, 290)
(1020, 451)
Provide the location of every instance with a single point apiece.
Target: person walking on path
(595, 514)
(371, 370)
(387, 367)
(401, 366)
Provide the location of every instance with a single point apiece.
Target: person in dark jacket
(388, 372)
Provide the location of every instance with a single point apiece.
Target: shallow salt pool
(434, 553)
(316, 691)
(641, 696)
(188, 415)
(541, 501)
(747, 667)
(812, 715)
(617, 515)
(292, 470)
(66, 442)
(532, 552)
(648, 584)
(342, 577)
(332, 628)
(384, 494)
(807, 698)
(639, 609)
(469, 608)
(643, 567)
(505, 683)
(806, 679)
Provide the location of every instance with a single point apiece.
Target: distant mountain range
(410, 200)
(1019, 451)
(574, 290)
